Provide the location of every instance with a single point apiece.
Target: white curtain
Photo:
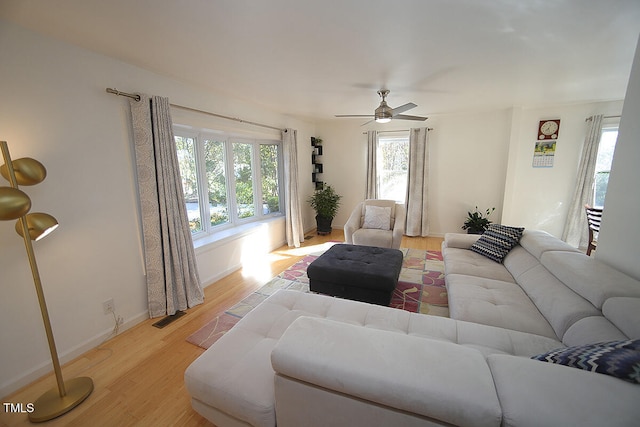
(575, 230)
(293, 219)
(417, 222)
(173, 283)
(372, 165)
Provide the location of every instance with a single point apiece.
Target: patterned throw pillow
(377, 217)
(497, 241)
(620, 359)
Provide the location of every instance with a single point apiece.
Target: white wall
(619, 241)
(344, 158)
(54, 108)
(468, 154)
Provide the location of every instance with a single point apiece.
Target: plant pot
(474, 231)
(323, 224)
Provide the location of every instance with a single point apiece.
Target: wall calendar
(545, 148)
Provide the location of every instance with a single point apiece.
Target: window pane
(393, 165)
(603, 164)
(269, 172)
(185, 148)
(243, 175)
(216, 182)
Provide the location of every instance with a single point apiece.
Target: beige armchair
(371, 229)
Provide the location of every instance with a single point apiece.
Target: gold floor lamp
(15, 204)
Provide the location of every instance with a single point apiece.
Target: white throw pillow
(377, 217)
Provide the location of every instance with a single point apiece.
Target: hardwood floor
(138, 375)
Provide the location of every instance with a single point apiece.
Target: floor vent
(164, 322)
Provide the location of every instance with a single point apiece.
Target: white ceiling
(320, 58)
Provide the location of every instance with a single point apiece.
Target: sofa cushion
(497, 241)
(518, 261)
(560, 305)
(590, 278)
(593, 329)
(385, 368)
(464, 261)
(495, 303)
(538, 242)
(623, 312)
(459, 240)
(372, 237)
(543, 394)
(377, 217)
(391, 204)
(620, 359)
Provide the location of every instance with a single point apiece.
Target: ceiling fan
(384, 113)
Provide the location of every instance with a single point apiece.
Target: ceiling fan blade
(354, 115)
(370, 121)
(403, 108)
(405, 117)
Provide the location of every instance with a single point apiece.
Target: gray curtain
(417, 222)
(575, 229)
(293, 219)
(371, 191)
(172, 276)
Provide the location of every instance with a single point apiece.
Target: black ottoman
(361, 273)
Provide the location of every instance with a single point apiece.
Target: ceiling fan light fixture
(383, 113)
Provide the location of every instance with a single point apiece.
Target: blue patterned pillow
(620, 359)
(497, 241)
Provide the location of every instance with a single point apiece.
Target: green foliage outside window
(216, 181)
(269, 173)
(244, 179)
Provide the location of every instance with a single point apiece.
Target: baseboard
(45, 368)
(207, 281)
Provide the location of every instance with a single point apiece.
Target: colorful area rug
(420, 289)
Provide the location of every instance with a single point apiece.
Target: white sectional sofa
(303, 359)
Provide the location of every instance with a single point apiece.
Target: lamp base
(50, 405)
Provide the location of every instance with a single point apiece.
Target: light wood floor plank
(138, 375)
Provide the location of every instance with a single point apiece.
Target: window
(393, 166)
(228, 180)
(606, 149)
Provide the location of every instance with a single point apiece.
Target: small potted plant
(325, 201)
(477, 222)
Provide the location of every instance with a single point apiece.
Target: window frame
(228, 139)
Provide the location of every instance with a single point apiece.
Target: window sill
(219, 238)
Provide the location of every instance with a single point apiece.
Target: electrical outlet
(108, 306)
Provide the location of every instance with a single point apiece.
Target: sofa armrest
(398, 226)
(539, 393)
(353, 224)
(436, 379)
(459, 240)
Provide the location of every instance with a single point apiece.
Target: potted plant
(325, 201)
(477, 222)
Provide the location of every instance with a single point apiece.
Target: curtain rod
(604, 117)
(137, 98)
(398, 130)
